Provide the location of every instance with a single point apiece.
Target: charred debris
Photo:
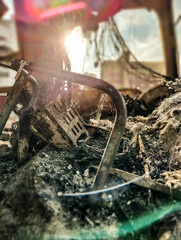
(57, 150)
(90, 162)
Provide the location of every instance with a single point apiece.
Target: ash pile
(54, 180)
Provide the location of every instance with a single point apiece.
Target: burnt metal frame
(120, 119)
(119, 125)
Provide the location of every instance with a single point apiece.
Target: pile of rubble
(48, 193)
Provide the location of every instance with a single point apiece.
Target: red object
(108, 9)
(62, 9)
(28, 11)
(2, 102)
(36, 11)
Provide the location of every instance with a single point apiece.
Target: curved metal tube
(120, 120)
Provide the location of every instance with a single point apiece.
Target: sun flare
(76, 48)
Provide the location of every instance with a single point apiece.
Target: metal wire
(81, 194)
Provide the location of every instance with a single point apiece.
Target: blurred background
(88, 38)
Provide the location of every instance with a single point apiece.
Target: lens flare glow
(121, 230)
(38, 15)
(75, 45)
(62, 9)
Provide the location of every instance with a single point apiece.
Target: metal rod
(100, 191)
(120, 120)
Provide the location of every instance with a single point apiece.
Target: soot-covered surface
(32, 205)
